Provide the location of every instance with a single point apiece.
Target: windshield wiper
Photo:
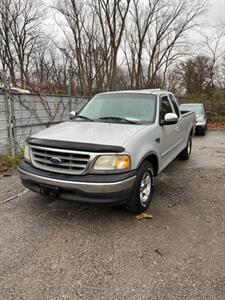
(85, 118)
(118, 119)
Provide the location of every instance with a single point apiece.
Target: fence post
(70, 89)
(7, 97)
(13, 122)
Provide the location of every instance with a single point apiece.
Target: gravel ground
(53, 249)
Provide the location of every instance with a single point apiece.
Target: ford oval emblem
(55, 160)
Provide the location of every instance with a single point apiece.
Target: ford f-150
(111, 150)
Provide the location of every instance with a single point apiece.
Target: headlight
(201, 119)
(112, 162)
(27, 153)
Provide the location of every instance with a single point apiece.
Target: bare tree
(20, 35)
(76, 49)
(107, 44)
(214, 45)
(26, 33)
(156, 38)
(97, 29)
(50, 72)
(112, 16)
(142, 16)
(6, 50)
(176, 18)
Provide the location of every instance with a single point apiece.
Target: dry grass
(8, 161)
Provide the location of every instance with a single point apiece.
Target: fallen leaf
(143, 216)
(172, 205)
(166, 227)
(158, 252)
(217, 125)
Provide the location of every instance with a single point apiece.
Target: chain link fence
(24, 114)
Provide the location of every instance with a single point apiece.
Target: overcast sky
(215, 15)
(217, 11)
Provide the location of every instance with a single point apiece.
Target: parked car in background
(201, 115)
(110, 152)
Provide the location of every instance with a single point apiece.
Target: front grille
(59, 161)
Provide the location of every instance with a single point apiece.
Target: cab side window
(177, 111)
(165, 108)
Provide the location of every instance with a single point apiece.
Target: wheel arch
(153, 159)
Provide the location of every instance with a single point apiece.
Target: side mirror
(207, 112)
(170, 119)
(72, 114)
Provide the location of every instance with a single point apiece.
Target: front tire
(143, 189)
(185, 154)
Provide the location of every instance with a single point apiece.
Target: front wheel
(185, 154)
(143, 189)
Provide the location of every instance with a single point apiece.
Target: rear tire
(143, 189)
(185, 154)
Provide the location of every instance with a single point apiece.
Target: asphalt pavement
(51, 249)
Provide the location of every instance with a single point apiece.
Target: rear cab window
(174, 102)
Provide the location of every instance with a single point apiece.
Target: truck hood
(91, 132)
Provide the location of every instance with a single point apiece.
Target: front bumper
(200, 127)
(102, 189)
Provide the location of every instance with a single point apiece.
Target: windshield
(198, 109)
(130, 107)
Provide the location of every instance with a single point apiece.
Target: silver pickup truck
(110, 152)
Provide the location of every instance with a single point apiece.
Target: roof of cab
(192, 104)
(144, 91)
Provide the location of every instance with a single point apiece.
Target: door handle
(176, 128)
